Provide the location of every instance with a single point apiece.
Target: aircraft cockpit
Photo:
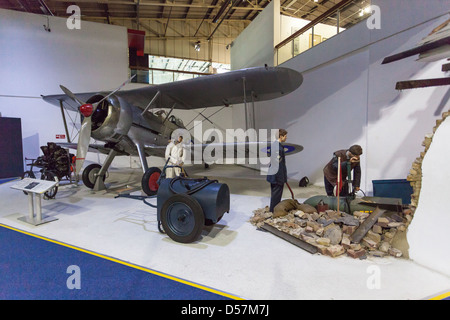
(162, 114)
(176, 121)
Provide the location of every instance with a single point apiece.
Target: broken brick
(356, 253)
(395, 252)
(323, 241)
(382, 221)
(373, 236)
(369, 243)
(349, 229)
(334, 250)
(377, 229)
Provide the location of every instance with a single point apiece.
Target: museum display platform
(231, 258)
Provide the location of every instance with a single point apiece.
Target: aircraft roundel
(287, 149)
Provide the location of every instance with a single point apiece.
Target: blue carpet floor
(36, 268)
(4, 180)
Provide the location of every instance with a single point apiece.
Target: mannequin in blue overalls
(279, 178)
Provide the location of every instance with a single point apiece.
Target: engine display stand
(35, 188)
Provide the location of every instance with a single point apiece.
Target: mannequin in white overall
(176, 155)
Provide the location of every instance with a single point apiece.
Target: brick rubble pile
(330, 231)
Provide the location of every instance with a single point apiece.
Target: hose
(202, 183)
(143, 198)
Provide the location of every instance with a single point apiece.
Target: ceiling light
(197, 46)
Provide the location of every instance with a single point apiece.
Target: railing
(317, 32)
(158, 76)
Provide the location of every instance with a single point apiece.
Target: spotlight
(197, 46)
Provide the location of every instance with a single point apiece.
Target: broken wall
(428, 235)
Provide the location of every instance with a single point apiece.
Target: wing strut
(167, 117)
(64, 120)
(249, 113)
(151, 102)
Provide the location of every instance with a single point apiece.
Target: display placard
(34, 185)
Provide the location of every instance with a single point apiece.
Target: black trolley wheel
(182, 218)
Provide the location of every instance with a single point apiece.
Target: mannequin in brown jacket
(350, 159)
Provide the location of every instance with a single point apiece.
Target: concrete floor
(231, 256)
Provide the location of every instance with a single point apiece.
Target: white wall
(254, 46)
(35, 62)
(348, 97)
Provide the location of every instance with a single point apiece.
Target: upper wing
(68, 103)
(253, 84)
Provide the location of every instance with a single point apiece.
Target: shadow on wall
(32, 147)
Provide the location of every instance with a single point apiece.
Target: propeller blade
(71, 95)
(83, 143)
(111, 93)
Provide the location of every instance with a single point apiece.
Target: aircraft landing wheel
(182, 218)
(89, 174)
(149, 181)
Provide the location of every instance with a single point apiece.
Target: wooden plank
(423, 48)
(291, 239)
(366, 225)
(412, 84)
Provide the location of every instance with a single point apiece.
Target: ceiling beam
(157, 4)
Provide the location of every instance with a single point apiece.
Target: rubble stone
(377, 229)
(345, 242)
(395, 252)
(382, 221)
(330, 231)
(323, 241)
(320, 231)
(356, 253)
(369, 243)
(334, 233)
(384, 246)
(373, 236)
(361, 215)
(335, 250)
(377, 253)
(300, 214)
(394, 224)
(349, 229)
